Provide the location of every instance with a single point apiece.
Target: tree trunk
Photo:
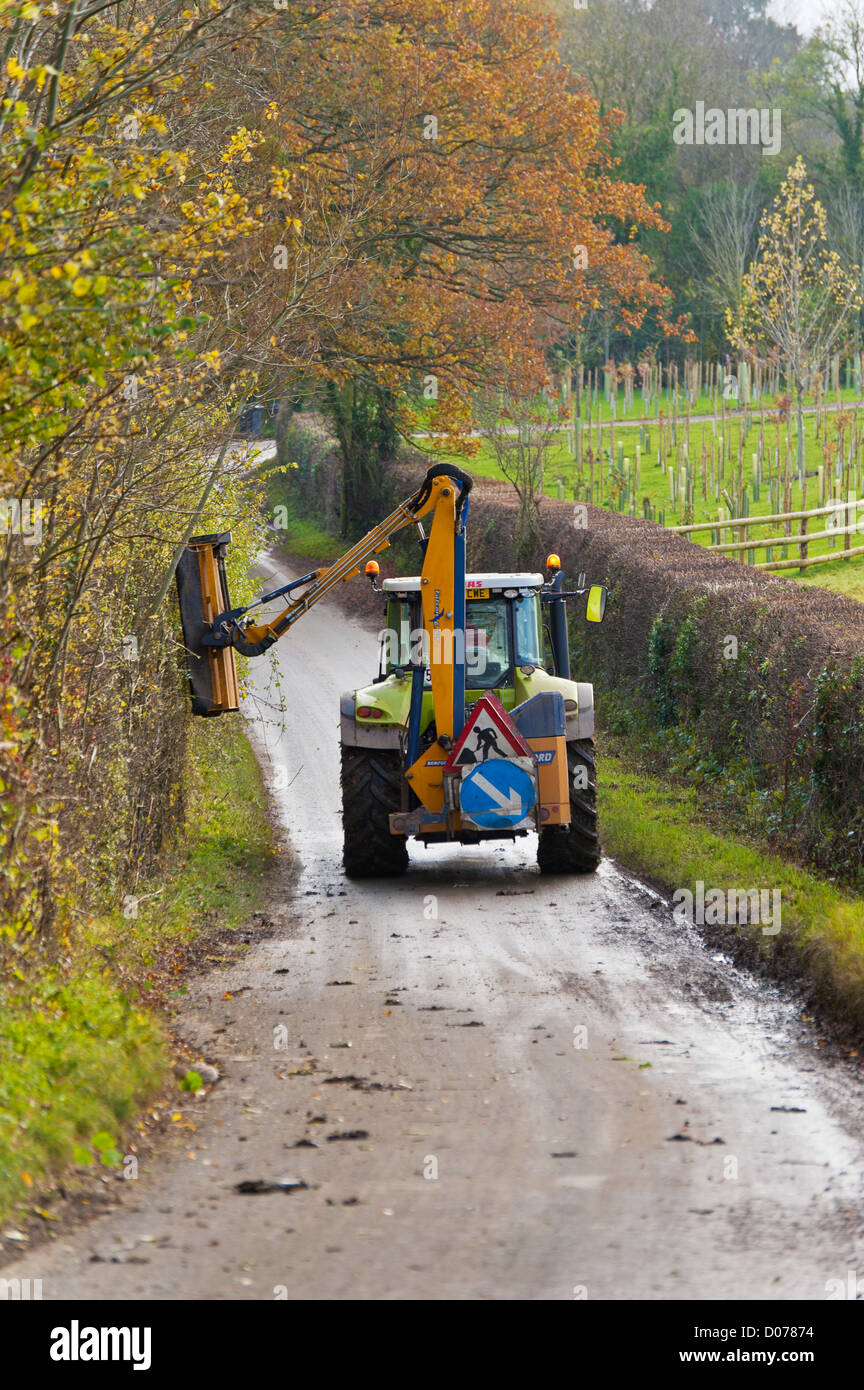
(799, 405)
(362, 419)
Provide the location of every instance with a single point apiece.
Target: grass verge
(304, 536)
(654, 827)
(83, 1044)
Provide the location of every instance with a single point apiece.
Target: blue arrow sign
(497, 794)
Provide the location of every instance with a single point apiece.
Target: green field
(693, 471)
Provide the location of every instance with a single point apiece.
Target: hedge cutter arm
(213, 630)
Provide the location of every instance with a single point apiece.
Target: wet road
(555, 1091)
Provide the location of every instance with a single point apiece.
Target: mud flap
(202, 590)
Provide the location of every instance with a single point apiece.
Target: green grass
(561, 479)
(654, 481)
(81, 1048)
(702, 405)
(218, 867)
(76, 1060)
(656, 828)
(843, 576)
(303, 535)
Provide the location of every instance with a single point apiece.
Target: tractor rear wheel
(371, 790)
(574, 848)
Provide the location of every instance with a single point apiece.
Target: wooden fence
(846, 526)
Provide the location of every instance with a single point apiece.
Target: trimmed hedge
(751, 685)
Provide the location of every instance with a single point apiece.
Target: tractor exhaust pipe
(558, 626)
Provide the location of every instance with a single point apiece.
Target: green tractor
(382, 805)
(464, 735)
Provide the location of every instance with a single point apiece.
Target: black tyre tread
(371, 790)
(575, 848)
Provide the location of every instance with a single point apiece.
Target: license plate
(476, 593)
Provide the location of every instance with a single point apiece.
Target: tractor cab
(503, 630)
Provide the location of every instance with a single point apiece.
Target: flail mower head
(202, 589)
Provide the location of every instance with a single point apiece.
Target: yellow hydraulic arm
(442, 597)
(213, 631)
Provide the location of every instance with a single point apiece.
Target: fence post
(743, 510)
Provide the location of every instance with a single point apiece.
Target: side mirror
(596, 606)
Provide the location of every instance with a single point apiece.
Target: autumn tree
(198, 205)
(486, 193)
(797, 295)
(118, 376)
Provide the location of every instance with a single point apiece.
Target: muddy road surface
(474, 1084)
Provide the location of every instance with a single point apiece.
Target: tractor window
(396, 637)
(487, 647)
(487, 650)
(527, 629)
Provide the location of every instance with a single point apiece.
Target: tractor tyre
(574, 848)
(371, 790)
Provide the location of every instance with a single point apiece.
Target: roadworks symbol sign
(488, 734)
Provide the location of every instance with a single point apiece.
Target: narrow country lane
(554, 1090)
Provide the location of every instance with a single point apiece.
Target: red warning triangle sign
(489, 733)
